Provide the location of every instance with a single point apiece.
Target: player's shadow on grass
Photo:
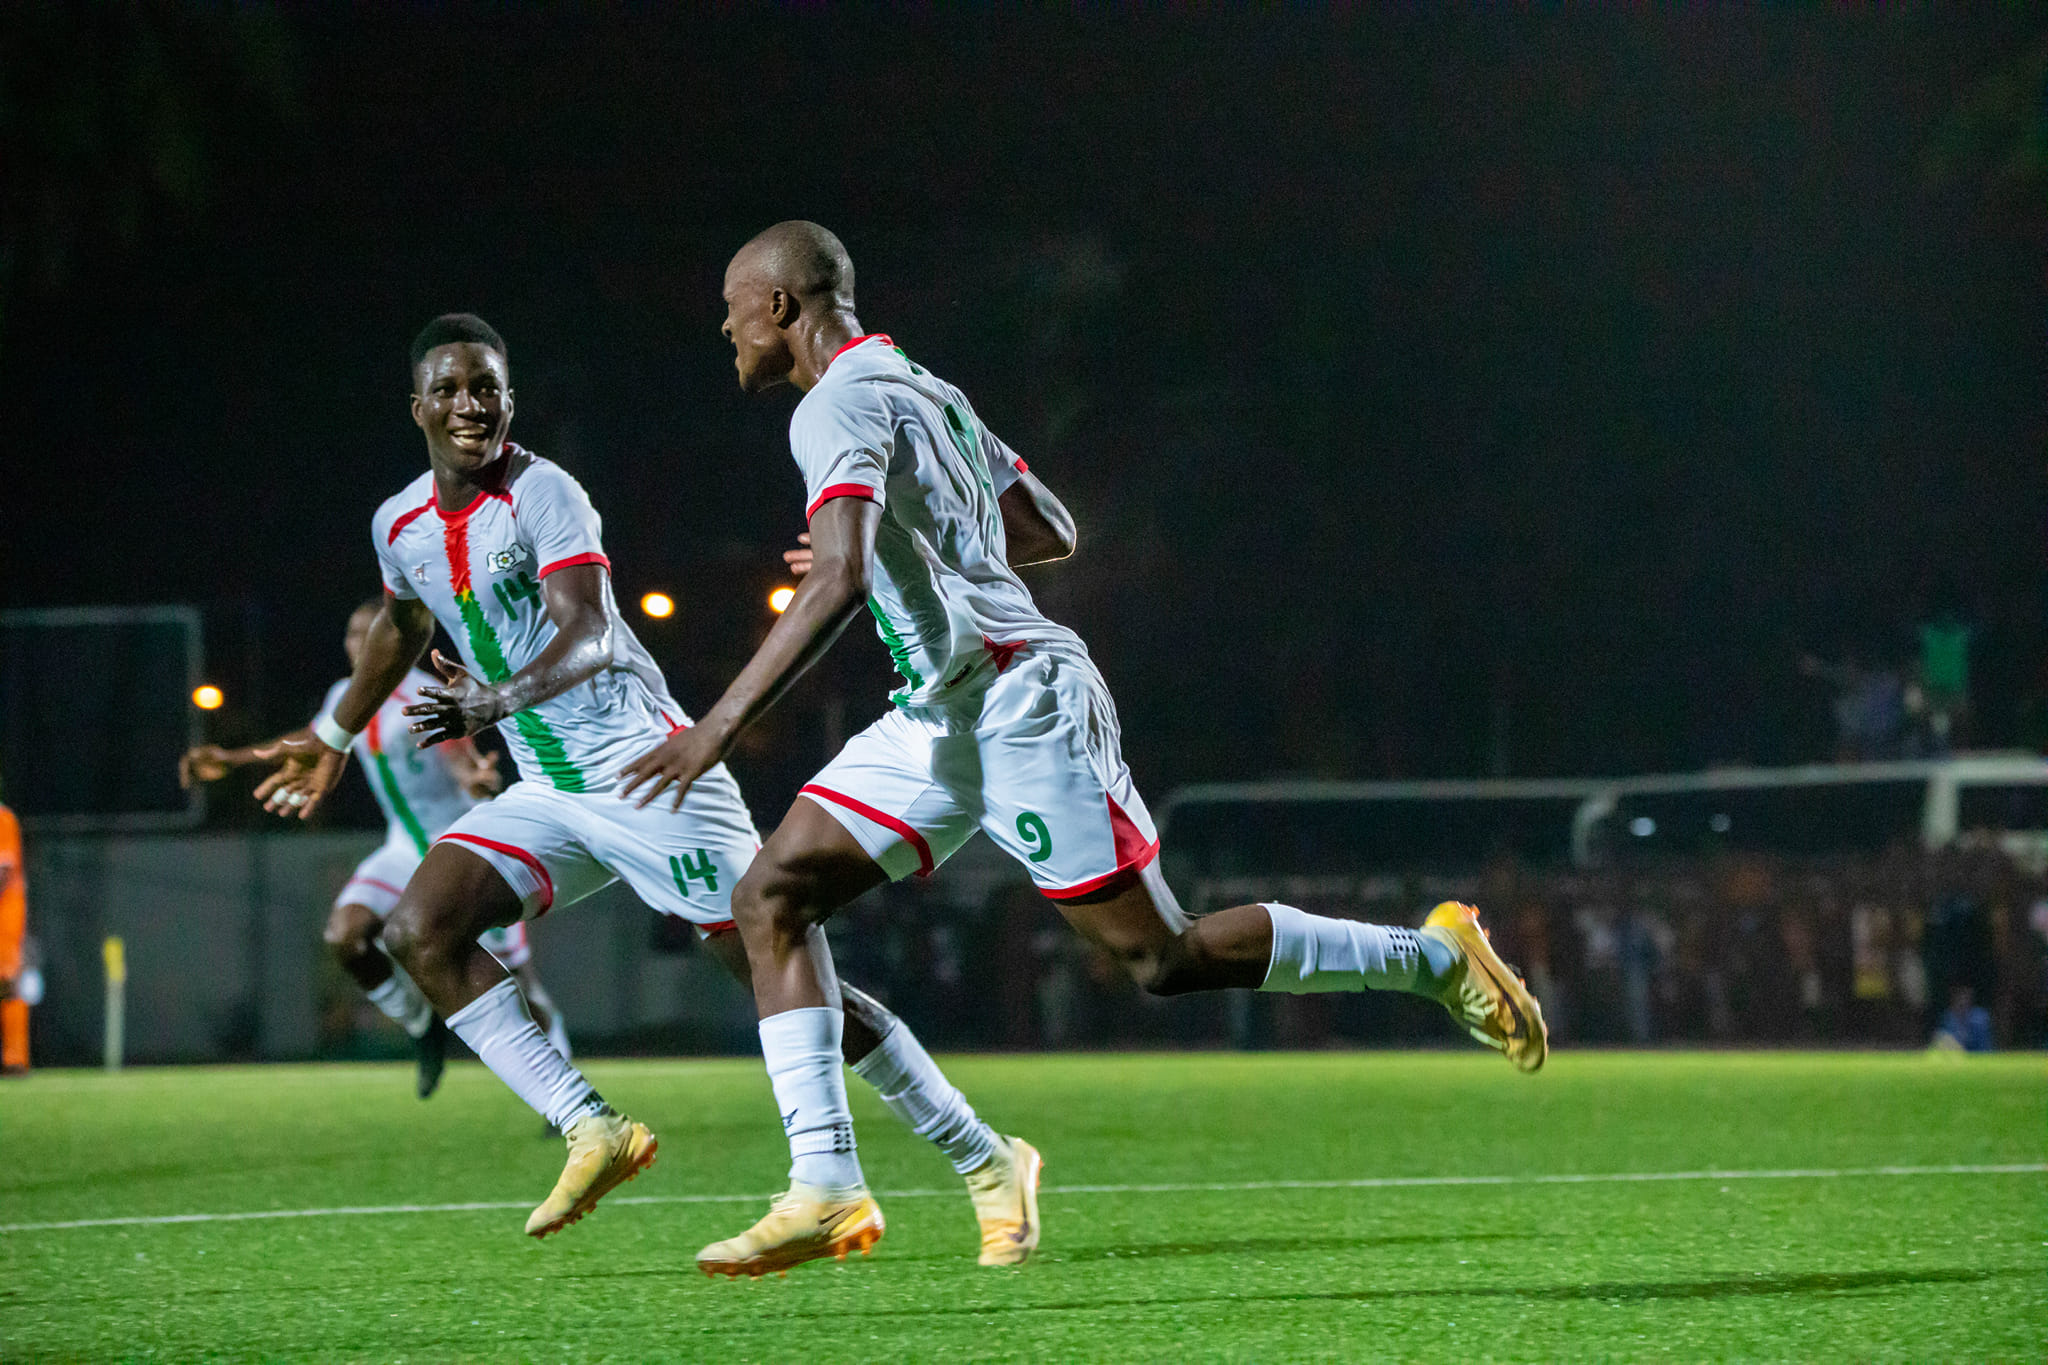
(1240, 1246)
(1820, 1282)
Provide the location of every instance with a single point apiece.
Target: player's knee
(406, 934)
(770, 901)
(351, 936)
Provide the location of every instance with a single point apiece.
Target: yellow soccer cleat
(804, 1223)
(605, 1151)
(1005, 1193)
(1484, 995)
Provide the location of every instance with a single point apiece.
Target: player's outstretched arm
(1036, 525)
(579, 650)
(212, 762)
(832, 593)
(308, 765)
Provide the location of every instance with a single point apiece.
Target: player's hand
(483, 780)
(799, 561)
(455, 709)
(676, 762)
(307, 770)
(203, 763)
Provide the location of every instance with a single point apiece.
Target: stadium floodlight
(207, 697)
(779, 600)
(658, 605)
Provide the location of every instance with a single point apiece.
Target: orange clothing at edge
(13, 929)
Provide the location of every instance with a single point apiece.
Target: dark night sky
(1407, 376)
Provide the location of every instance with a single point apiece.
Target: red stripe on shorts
(890, 822)
(724, 926)
(1132, 853)
(372, 881)
(547, 883)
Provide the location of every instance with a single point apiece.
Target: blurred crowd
(1904, 949)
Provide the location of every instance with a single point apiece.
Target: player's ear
(508, 404)
(417, 419)
(782, 307)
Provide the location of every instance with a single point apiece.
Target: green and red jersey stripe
(380, 763)
(489, 654)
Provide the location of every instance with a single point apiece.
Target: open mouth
(470, 438)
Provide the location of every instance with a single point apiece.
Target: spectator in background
(18, 978)
(1870, 707)
(1944, 681)
(1966, 1025)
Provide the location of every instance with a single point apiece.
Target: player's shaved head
(788, 305)
(802, 258)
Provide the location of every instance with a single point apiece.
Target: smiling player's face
(760, 349)
(462, 400)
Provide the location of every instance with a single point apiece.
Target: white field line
(1390, 1182)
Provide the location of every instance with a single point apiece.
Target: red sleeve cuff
(574, 560)
(1022, 468)
(841, 490)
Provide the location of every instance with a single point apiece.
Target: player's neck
(818, 346)
(455, 489)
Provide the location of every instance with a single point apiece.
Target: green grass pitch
(1814, 1266)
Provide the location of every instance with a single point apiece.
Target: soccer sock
(1312, 953)
(801, 1048)
(917, 1092)
(499, 1031)
(401, 1002)
(558, 1032)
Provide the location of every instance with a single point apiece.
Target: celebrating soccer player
(422, 793)
(1003, 724)
(502, 548)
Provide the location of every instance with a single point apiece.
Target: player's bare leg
(1001, 1172)
(1276, 947)
(809, 868)
(352, 935)
(432, 933)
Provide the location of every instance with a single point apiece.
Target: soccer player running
(917, 513)
(421, 794)
(502, 548)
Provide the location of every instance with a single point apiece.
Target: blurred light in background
(207, 697)
(779, 600)
(1642, 827)
(659, 605)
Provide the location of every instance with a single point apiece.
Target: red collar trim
(434, 498)
(882, 337)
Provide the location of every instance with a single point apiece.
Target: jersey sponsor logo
(508, 559)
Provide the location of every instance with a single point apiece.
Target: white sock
(500, 1032)
(801, 1048)
(1312, 953)
(558, 1032)
(917, 1092)
(401, 1003)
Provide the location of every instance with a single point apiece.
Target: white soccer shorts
(555, 847)
(379, 880)
(1036, 761)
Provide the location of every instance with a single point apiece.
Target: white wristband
(332, 735)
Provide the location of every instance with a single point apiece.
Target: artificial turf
(1802, 1267)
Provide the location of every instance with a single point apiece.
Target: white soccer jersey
(418, 794)
(946, 601)
(479, 568)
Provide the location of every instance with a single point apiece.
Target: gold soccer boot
(605, 1151)
(1483, 994)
